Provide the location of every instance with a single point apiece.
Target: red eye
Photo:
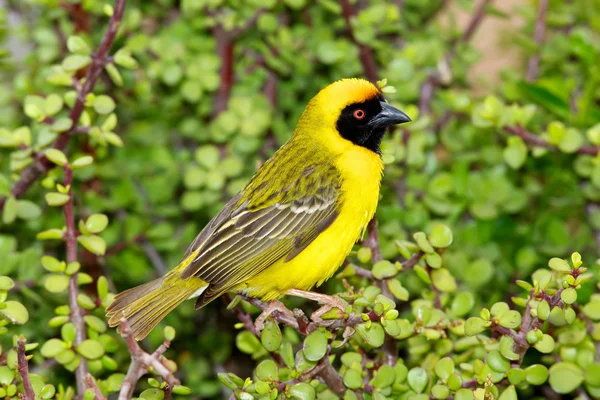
(359, 114)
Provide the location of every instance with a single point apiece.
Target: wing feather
(264, 227)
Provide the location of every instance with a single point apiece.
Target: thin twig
(154, 257)
(91, 383)
(70, 238)
(225, 50)
(476, 20)
(365, 53)
(537, 141)
(372, 241)
(23, 368)
(533, 66)
(41, 164)
(141, 361)
(433, 79)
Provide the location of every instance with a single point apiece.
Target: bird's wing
(263, 225)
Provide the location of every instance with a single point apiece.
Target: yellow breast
(361, 171)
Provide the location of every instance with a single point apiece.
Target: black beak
(388, 116)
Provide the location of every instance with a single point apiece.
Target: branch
(23, 368)
(433, 80)
(476, 20)
(372, 241)
(41, 164)
(533, 65)
(225, 46)
(366, 54)
(535, 140)
(332, 378)
(70, 238)
(141, 361)
(91, 383)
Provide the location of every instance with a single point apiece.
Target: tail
(146, 305)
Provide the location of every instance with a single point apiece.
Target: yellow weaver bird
(294, 223)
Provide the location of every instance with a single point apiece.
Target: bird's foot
(273, 306)
(329, 302)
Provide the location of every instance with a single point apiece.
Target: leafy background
(159, 114)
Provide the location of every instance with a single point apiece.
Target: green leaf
(373, 335)
(53, 103)
(181, 390)
(507, 345)
(56, 283)
(95, 323)
(47, 392)
(441, 236)
(545, 345)
(384, 269)
(417, 379)
(124, 59)
(397, 290)
(497, 362)
(516, 376)
(56, 199)
(444, 368)
(94, 244)
(536, 374)
(82, 162)
(539, 95)
(10, 210)
(56, 156)
(569, 296)
(248, 343)
(114, 74)
(76, 44)
(571, 141)
(91, 349)
(75, 62)
(422, 242)
(592, 374)
(103, 104)
(52, 347)
(512, 319)
(6, 283)
(271, 337)
(62, 125)
(15, 312)
(475, 325)
(443, 280)
(384, 377)
(515, 154)
(353, 379)
(96, 223)
(302, 391)
(565, 377)
(51, 264)
(315, 346)
(267, 371)
(462, 303)
(509, 394)
(28, 210)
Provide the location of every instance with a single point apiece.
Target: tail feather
(146, 305)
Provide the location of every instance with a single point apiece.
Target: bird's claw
(273, 306)
(329, 304)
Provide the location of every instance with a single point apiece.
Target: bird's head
(356, 110)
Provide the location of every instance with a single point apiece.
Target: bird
(293, 224)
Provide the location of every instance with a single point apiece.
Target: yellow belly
(361, 170)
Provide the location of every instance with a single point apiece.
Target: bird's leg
(329, 302)
(272, 306)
